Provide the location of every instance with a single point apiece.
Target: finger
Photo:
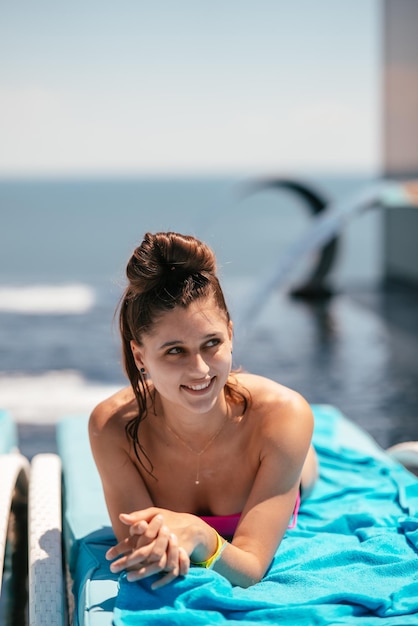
(139, 528)
(181, 570)
(171, 568)
(148, 569)
(131, 550)
(184, 562)
(124, 562)
(129, 544)
(154, 527)
(135, 558)
(136, 516)
(123, 547)
(133, 554)
(160, 546)
(151, 552)
(172, 564)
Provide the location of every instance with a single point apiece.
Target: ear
(137, 354)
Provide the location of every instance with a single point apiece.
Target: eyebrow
(170, 344)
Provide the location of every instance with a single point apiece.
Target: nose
(198, 366)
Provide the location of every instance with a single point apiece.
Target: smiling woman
(191, 444)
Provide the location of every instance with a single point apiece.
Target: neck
(198, 432)
(194, 427)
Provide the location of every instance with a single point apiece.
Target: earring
(142, 370)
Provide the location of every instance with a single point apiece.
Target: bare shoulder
(109, 417)
(275, 405)
(281, 422)
(265, 391)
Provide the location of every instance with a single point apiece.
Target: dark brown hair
(167, 270)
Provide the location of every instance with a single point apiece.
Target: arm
(153, 545)
(123, 487)
(286, 441)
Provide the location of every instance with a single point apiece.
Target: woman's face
(188, 356)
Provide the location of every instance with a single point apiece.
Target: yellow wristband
(210, 562)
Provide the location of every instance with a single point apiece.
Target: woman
(192, 454)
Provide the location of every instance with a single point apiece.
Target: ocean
(64, 245)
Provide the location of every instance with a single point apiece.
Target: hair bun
(168, 257)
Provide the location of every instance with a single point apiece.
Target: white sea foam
(45, 398)
(46, 299)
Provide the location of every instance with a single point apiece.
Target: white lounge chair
(407, 454)
(14, 476)
(14, 473)
(46, 578)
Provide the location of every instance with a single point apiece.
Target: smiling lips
(202, 387)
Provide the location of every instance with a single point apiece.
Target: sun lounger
(47, 606)
(14, 473)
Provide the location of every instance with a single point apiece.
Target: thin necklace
(205, 447)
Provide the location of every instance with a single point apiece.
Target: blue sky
(187, 86)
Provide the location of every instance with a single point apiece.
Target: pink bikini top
(226, 525)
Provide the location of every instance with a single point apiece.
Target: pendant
(197, 479)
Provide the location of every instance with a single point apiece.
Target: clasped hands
(157, 543)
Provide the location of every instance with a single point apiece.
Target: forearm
(240, 567)
(198, 540)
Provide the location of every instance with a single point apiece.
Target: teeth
(199, 387)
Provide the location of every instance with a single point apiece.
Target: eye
(212, 343)
(175, 350)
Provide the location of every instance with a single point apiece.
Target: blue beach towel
(352, 558)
